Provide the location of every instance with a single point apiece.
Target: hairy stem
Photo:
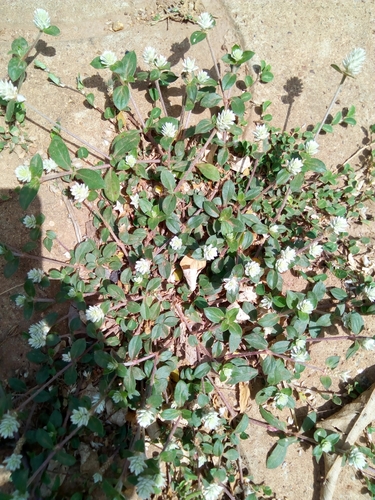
(76, 137)
(161, 98)
(330, 106)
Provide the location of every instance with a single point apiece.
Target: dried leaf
(244, 396)
(191, 269)
(242, 166)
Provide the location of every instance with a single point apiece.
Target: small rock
(117, 26)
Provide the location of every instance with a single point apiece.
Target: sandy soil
(299, 39)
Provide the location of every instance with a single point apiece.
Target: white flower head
(169, 130)
(311, 148)
(38, 334)
(41, 19)
(159, 480)
(316, 250)
(149, 55)
(339, 225)
(18, 495)
(357, 459)
(79, 192)
(130, 160)
(23, 173)
(137, 463)
(231, 284)
(289, 254)
(80, 417)
(294, 166)
(49, 165)
(13, 462)
(211, 420)
(237, 54)
(260, 132)
(176, 243)
(143, 266)
(9, 425)
(67, 357)
(189, 65)
(266, 303)
(138, 279)
(94, 314)
(353, 62)
(35, 275)
(305, 306)
(145, 417)
(368, 344)
(202, 77)
(225, 120)
(299, 353)
(20, 300)
(97, 478)
(134, 200)
(117, 397)
(252, 269)
(274, 229)
(369, 291)
(281, 400)
(209, 252)
(206, 21)
(160, 62)
(212, 492)
(96, 399)
(72, 293)
(145, 486)
(9, 92)
(282, 265)
(108, 58)
(29, 221)
(326, 446)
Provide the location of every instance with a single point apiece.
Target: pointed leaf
(59, 153)
(29, 192)
(112, 186)
(91, 178)
(121, 96)
(209, 171)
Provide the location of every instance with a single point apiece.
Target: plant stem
(134, 104)
(79, 139)
(214, 61)
(330, 106)
(161, 98)
(275, 219)
(196, 160)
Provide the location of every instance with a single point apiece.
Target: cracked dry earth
(300, 40)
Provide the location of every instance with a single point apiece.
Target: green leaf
(355, 322)
(20, 47)
(204, 126)
(278, 454)
(112, 185)
(28, 193)
(168, 180)
(169, 204)
(315, 165)
(228, 192)
(10, 110)
(282, 177)
(125, 142)
(234, 341)
(52, 30)
(170, 414)
(269, 320)
(209, 171)
(326, 381)
(309, 422)
(197, 36)
(229, 79)
(90, 98)
(65, 458)
(44, 439)
(181, 393)
(273, 421)
(338, 293)
(211, 209)
(214, 314)
(59, 153)
(16, 67)
(96, 426)
(266, 76)
(121, 96)
(237, 105)
(242, 425)
(202, 370)
(127, 66)
(91, 178)
(210, 100)
(116, 292)
(11, 267)
(332, 362)
(135, 345)
(78, 348)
